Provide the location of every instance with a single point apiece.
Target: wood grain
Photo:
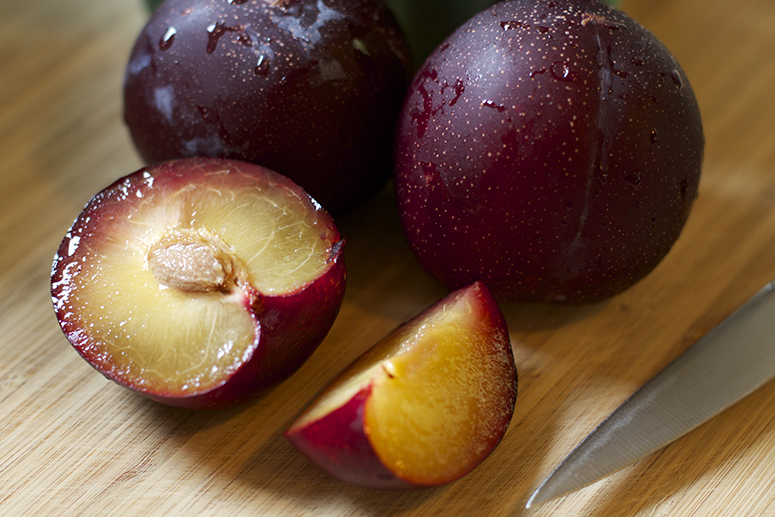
(72, 443)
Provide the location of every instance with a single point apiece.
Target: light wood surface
(72, 443)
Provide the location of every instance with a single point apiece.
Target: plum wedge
(424, 406)
(199, 283)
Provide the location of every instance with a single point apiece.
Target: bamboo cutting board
(72, 443)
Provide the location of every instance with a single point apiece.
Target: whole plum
(551, 149)
(308, 88)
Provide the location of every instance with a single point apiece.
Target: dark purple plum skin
(551, 149)
(309, 88)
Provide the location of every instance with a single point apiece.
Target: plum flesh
(549, 148)
(199, 283)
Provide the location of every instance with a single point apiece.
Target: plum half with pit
(200, 283)
(308, 88)
(550, 148)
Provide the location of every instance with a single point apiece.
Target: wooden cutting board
(72, 443)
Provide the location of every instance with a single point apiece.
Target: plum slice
(422, 407)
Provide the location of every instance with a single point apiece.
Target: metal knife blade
(729, 362)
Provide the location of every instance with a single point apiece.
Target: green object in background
(426, 22)
(153, 4)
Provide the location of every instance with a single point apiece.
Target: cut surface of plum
(165, 277)
(433, 398)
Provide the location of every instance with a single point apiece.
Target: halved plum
(199, 282)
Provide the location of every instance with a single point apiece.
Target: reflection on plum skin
(308, 89)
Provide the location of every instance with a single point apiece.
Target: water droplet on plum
(562, 72)
(216, 31)
(494, 105)
(262, 66)
(676, 77)
(634, 178)
(168, 39)
(513, 24)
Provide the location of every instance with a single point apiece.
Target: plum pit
(192, 261)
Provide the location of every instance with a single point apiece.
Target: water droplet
(684, 187)
(209, 115)
(634, 178)
(262, 66)
(676, 77)
(492, 104)
(244, 38)
(237, 2)
(562, 72)
(390, 369)
(216, 30)
(168, 39)
(513, 24)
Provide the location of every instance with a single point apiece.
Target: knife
(729, 362)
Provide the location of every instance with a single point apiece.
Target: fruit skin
(549, 148)
(288, 327)
(339, 445)
(308, 88)
(341, 442)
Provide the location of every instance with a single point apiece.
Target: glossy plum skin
(287, 326)
(549, 148)
(338, 444)
(308, 88)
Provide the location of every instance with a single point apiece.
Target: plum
(422, 407)
(551, 149)
(308, 88)
(199, 283)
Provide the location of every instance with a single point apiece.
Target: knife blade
(732, 360)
